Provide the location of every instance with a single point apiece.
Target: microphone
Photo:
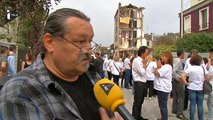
(110, 96)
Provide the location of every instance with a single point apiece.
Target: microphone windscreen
(108, 94)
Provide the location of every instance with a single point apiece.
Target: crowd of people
(8, 64)
(58, 84)
(174, 77)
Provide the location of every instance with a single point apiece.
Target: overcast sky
(160, 16)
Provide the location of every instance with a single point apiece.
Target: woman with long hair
(27, 62)
(163, 82)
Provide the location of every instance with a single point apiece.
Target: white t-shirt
(108, 63)
(196, 77)
(105, 64)
(187, 64)
(150, 68)
(164, 81)
(115, 71)
(126, 63)
(211, 74)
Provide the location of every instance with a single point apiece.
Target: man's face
(146, 53)
(68, 57)
(194, 53)
(14, 50)
(182, 55)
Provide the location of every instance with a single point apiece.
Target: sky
(160, 16)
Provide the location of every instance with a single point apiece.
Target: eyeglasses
(93, 44)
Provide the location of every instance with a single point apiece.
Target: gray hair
(55, 23)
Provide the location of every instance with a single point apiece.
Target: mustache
(85, 56)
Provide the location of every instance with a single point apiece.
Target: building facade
(199, 17)
(128, 31)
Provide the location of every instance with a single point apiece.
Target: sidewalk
(151, 110)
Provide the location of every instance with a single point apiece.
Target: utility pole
(181, 20)
(181, 25)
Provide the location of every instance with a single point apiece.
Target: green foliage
(24, 7)
(165, 40)
(158, 50)
(200, 41)
(26, 25)
(3, 36)
(32, 16)
(7, 30)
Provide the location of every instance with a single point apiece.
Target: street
(151, 110)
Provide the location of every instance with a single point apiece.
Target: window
(135, 24)
(204, 18)
(134, 34)
(147, 42)
(187, 24)
(134, 14)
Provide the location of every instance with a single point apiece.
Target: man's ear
(48, 41)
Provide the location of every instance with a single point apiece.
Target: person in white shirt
(109, 74)
(195, 85)
(116, 68)
(187, 64)
(163, 82)
(127, 68)
(210, 55)
(150, 68)
(210, 96)
(138, 74)
(105, 66)
(192, 53)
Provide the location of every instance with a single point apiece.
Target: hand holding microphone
(110, 96)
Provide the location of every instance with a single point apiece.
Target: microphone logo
(110, 96)
(106, 87)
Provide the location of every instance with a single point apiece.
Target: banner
(124, 20)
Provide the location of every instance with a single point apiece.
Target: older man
(56, 86)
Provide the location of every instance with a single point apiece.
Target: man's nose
(87, 50)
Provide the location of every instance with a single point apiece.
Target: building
(128, 31)
(150, 38)
(198, 18)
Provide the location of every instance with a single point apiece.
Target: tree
(32, 16)
(158, 50)
(200, 41)
(168, 39)
(165, 43)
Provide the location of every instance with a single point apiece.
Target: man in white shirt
(209, 60)
(105, 66)
(138, 72)
(192, 53)
(109, 74)
(127, 69)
